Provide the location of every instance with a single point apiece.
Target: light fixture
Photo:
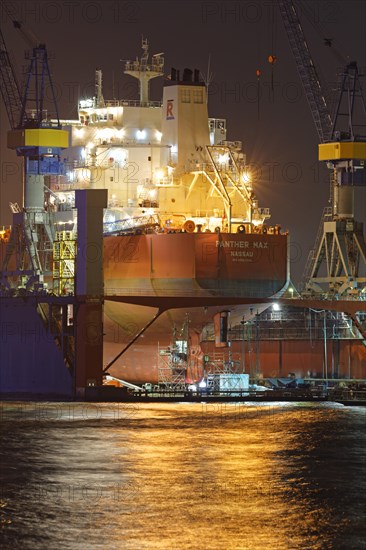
(223, 159)
(246, 177)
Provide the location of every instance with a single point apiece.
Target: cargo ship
(182, 217)
(185, 243)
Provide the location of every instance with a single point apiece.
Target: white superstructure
(167, 159)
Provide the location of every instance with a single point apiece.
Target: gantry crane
(37, 137)
(338, 258)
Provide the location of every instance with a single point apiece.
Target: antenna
(208, 77)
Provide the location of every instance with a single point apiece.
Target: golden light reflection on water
(220, 476)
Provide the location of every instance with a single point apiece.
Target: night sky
(237, 37)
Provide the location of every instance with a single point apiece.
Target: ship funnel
(185, 120)
(187, 75)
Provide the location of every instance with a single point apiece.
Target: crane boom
(28, 36)
(10, 90)
(27, 108)
(307, 71)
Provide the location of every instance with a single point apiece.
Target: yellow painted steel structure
(346, 150)
(64, 256)
(38, 137)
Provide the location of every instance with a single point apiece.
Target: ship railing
(131, 103)
(130, 224)
(237, 145)
(138, 66)
(176, 292)
(101, 164)
(205, 167)
(291, 333)
(347, 394)
(46, 119)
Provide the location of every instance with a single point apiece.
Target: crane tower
(338, 259)
(37, 137)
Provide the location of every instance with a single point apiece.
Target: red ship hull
(200, 263)
(182, 264)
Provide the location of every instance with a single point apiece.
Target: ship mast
(145, 71)
(99, 99)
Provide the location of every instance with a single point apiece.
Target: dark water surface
(182, 476)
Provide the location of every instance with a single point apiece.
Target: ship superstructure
(166, 165)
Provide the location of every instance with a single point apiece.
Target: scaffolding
(64, 258)
(173, 366)
(294, 324)
(222, 363)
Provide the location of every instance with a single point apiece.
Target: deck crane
(340, 248)
(38, 139)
